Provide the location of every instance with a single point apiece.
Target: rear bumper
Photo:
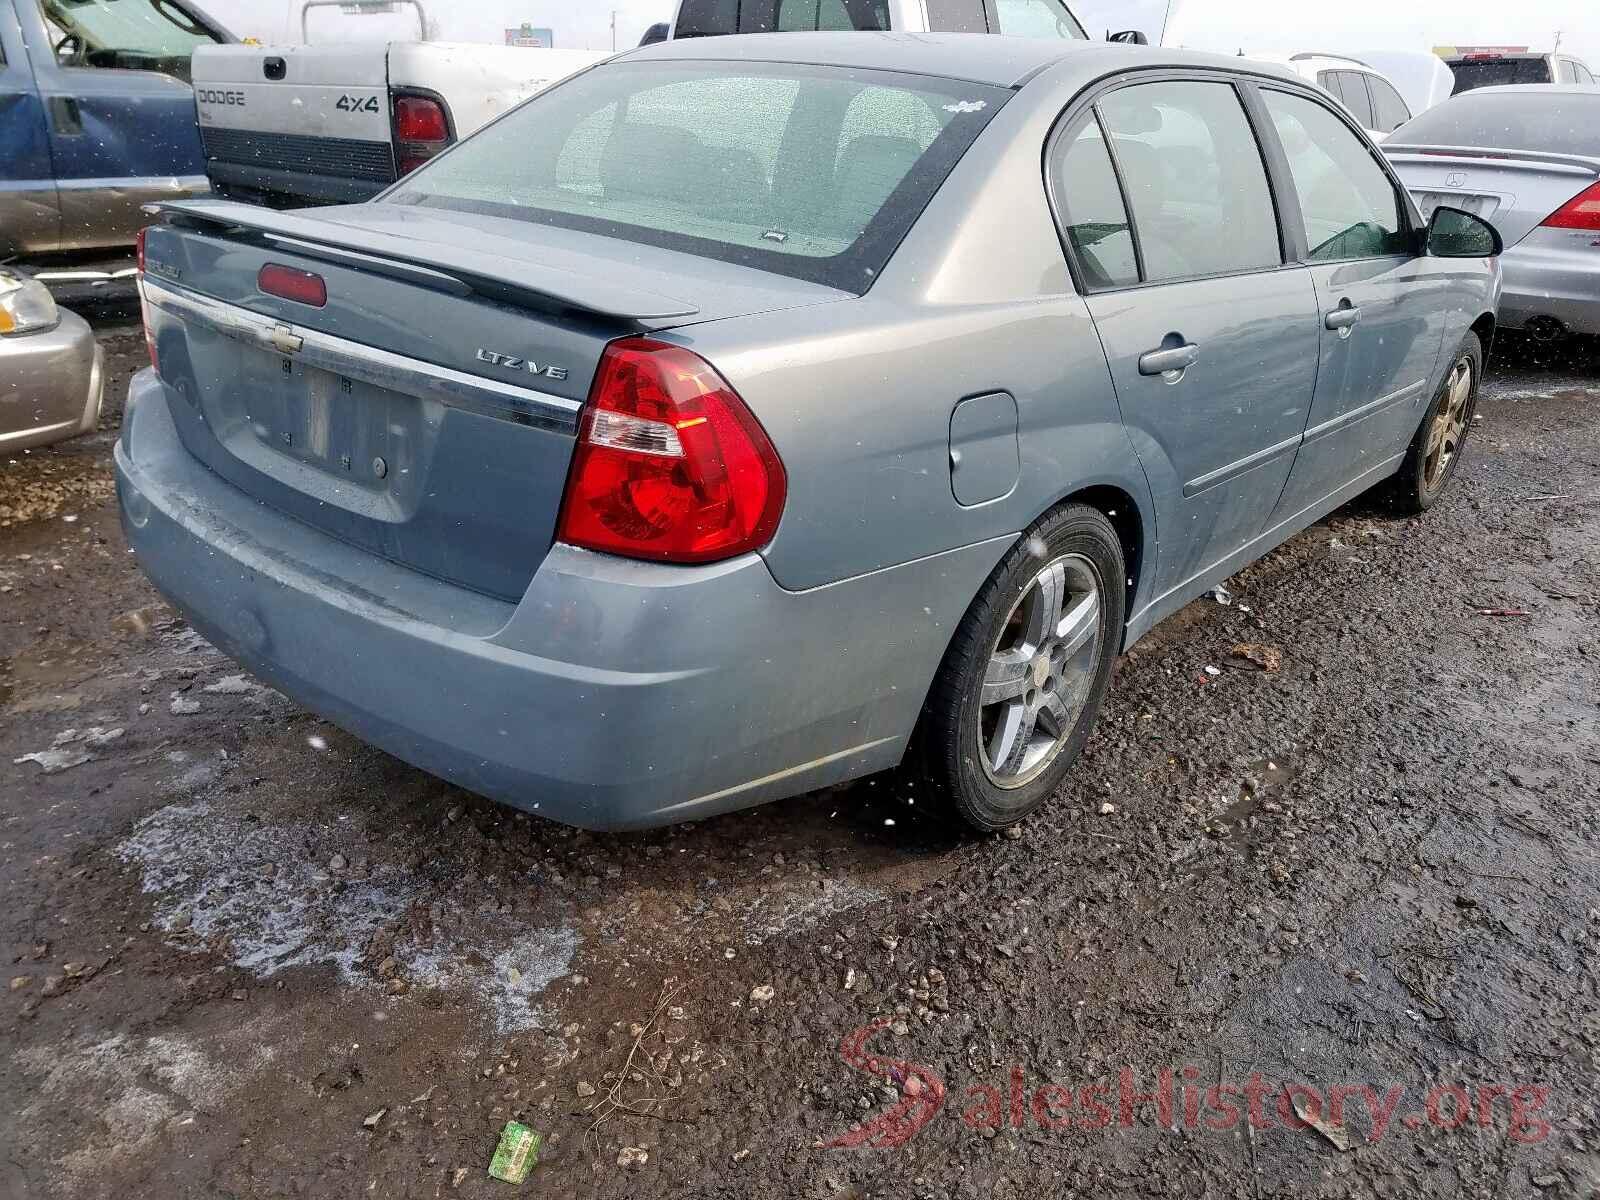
(614, 695)
(54, 383)
(1555, 282)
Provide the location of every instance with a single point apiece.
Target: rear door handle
(65, 116)
(1343, 319)
(1164, 362)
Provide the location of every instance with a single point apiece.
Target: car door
(1210, 337)
(30, 220)
(1380, 331)
(119, 137)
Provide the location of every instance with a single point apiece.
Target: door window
(128, 35)
(1353, 91)
(1585, 76)
(957, 16)
(1037, 19)
(1349, 206)
(1194, 178)
(1093, 216)
(1387, 106)
(1568, 73)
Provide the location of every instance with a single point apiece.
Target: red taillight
(421, 130)
(670, 463)
(290, 284)
(144, 305)
(1581, 212)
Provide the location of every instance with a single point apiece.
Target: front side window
(1387, 106)
(1194, 177)
(1093, 216)
(1036, 19)
(1349, 206)
(132, 35)
(1352, 89)
(1584, 74)
(814, 172)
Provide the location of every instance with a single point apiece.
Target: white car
(1369, 95)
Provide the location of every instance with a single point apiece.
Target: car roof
(973, 57)
(1534, 89)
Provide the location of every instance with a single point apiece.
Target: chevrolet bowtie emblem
(286, 339)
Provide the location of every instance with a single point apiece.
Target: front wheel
(1435, 453)
(1022, 682)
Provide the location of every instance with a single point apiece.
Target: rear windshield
(1496, 72)
(813, 172)
(709, 18)
(1554, 121)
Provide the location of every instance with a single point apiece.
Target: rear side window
(1387, 106)
(714, 18)
(957, 16)
(1349, 206)
(1474, 73)
(1353, 89)
(1036, 19)
(1560, 122)
(1093, 216)
(814, 172)
(1194, 177)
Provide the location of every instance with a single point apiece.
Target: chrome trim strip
(1365, 410)
(165, 185)
(1222, 474)
(411, 376)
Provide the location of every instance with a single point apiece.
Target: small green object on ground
(516, 1154)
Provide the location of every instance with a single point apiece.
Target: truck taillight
(144, 305)
(421, 130)
(670, 463)
(1581, 212)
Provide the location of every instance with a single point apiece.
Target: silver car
(747, 415)
(1526, 159)
(51, 368)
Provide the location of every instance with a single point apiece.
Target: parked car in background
(52, 373)
(1496, 68)
(1526, 159)
(1374, 102)
(687, 497)
(289, 126)
(96, 119)
(1015, 18)
(1422, 79)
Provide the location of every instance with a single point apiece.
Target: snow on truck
(336, 123)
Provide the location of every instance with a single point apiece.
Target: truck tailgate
(315, 110)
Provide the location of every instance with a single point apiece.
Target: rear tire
(1023, 680)
(1435, 452)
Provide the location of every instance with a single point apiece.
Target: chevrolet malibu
(747, 415)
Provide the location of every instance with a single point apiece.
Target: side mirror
(1129, 37)
(656, 33)
(1456, 234)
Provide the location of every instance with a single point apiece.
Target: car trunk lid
(1515, 190)
(428, 411)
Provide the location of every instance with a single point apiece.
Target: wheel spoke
(1006, 677)
(1078, 627)
(1012, 737)
(1045, 605)
(1054, 715)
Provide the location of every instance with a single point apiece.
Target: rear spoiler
(1573, 163)
(447, 269)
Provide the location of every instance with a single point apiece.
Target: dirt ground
(250, 956)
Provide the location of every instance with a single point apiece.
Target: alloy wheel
(1449, 427)
(1040, 672)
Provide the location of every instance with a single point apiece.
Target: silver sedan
(51, 369)
(1527, 160)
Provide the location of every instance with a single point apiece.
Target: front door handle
(65, 116)
(1343, 319)
(1169, 361)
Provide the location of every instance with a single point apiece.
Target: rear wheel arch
(1123, 511)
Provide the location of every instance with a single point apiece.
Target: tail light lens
(670, 464)
(421, 130)
(290, 284)
(1581, 212)
(144, 304)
